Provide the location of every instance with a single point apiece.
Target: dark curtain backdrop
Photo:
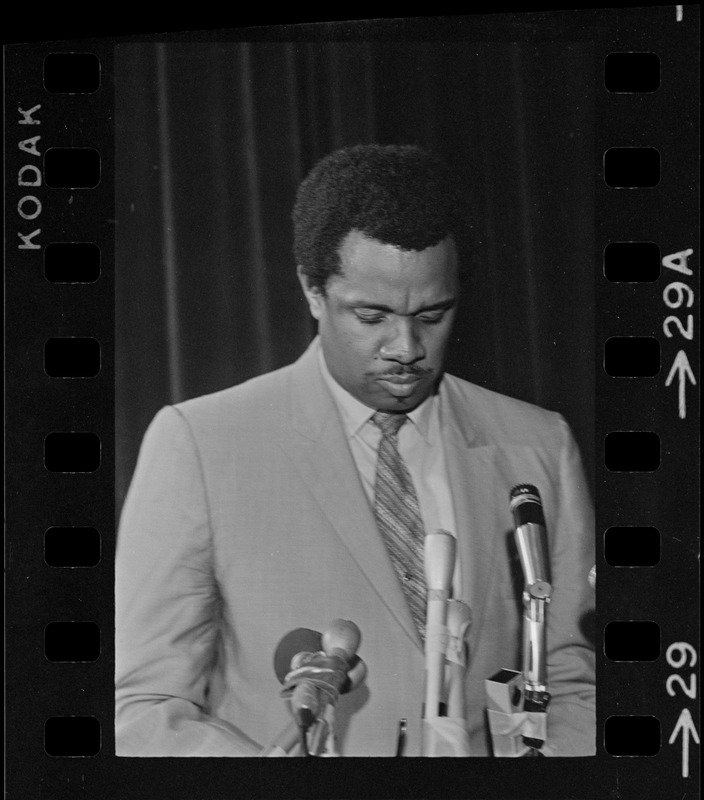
(212, 140)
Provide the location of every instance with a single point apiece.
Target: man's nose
(403, 344)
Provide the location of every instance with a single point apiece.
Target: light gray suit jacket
(246, 518)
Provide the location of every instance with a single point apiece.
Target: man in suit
(270, 506)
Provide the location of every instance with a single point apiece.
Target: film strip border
(647, 407)
(59, 233)
(60, 452)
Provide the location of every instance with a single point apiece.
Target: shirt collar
(355, 414)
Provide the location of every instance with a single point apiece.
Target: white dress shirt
(420, 444)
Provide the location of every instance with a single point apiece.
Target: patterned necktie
(398, 515)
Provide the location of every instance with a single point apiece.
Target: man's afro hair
(398, 194)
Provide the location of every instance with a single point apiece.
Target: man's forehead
(357, 237)
(381, 276)
(368, 255)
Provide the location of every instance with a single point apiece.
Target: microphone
(316, 669)
(532, 543)
(301, 648)
(531, 538)
(300, 640)
(341, 639)
(294, 646)
(439, 565)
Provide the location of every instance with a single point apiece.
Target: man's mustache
(418, 372)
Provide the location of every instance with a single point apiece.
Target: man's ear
(313, 294)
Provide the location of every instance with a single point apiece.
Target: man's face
(385, 319)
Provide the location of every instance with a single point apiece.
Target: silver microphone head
(531, 538)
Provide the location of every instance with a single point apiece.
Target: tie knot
(389, 423)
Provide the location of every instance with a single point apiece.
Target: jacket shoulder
(243, 404)
(495, 417)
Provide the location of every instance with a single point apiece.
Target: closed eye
(373, 316)
(432, 319)
(369, 319)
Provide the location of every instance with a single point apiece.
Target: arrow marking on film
(685, 724)
(680, 367)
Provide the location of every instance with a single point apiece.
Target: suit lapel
(314, 440)
(472, 471)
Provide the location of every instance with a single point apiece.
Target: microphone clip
(517, 715)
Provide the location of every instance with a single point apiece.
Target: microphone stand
(517, 702)
(535, 689)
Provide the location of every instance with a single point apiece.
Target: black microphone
(300, 640)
